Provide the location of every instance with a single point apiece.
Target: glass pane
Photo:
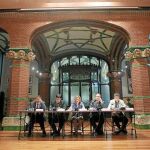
(104, 71)
(65, 94)
(94, 61)
(74, 90)
(64, 61)
(55, 73)
(65, 76)
(105, 92)
(84, 60)
(94, 76)
(74, 60)
(54, 91)
(94, 89)
(85, 93)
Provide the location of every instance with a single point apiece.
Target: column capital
(44, 76)
(20, 54)
(138, 52)
(115, 74)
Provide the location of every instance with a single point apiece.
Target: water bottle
(50, 107)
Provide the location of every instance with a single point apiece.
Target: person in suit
(118, 116)
(37, 117)
(97, 117)
(77, 117)
(57, 117)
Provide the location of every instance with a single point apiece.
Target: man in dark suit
(57, 117)
(97, 117)
(37, 117)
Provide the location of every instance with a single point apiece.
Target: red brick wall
(18, 91)
(20, 26)
(141, 85)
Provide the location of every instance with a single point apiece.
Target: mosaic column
(140, 73)
(18, 85)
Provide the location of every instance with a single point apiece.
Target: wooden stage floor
(9, 141)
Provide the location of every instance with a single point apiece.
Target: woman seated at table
(77, 116)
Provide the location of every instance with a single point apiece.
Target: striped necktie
(37, 105)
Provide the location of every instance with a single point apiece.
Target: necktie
(37, 106)
(116, 105)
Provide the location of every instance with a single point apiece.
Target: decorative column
(44, 87)
(140, 73)
(18, 85)
(115, 82)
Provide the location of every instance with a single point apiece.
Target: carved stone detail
(137, 53)
(20, 54)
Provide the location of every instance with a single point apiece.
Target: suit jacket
(96, 105)
(41, 105)
(112, 104)
(58, 105)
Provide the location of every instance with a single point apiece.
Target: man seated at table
(57, 117)
(118, 115)
(37, 117)
(97, 118)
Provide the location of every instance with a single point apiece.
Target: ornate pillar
(44, 87)
(18, 85)
(115, 82)
(140, 73)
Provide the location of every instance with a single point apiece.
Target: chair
(77, 131)
(131, 121)
(62, 130)
(92, 130)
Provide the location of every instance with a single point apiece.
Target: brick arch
(3, 29)
(4, 38)
(95, 23)
(116, 47)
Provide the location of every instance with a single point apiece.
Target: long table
(106, 112)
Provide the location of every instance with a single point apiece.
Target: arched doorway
(76, 39)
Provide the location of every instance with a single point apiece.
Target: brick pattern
(21, 26)
(19, 83)
(141, 85)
